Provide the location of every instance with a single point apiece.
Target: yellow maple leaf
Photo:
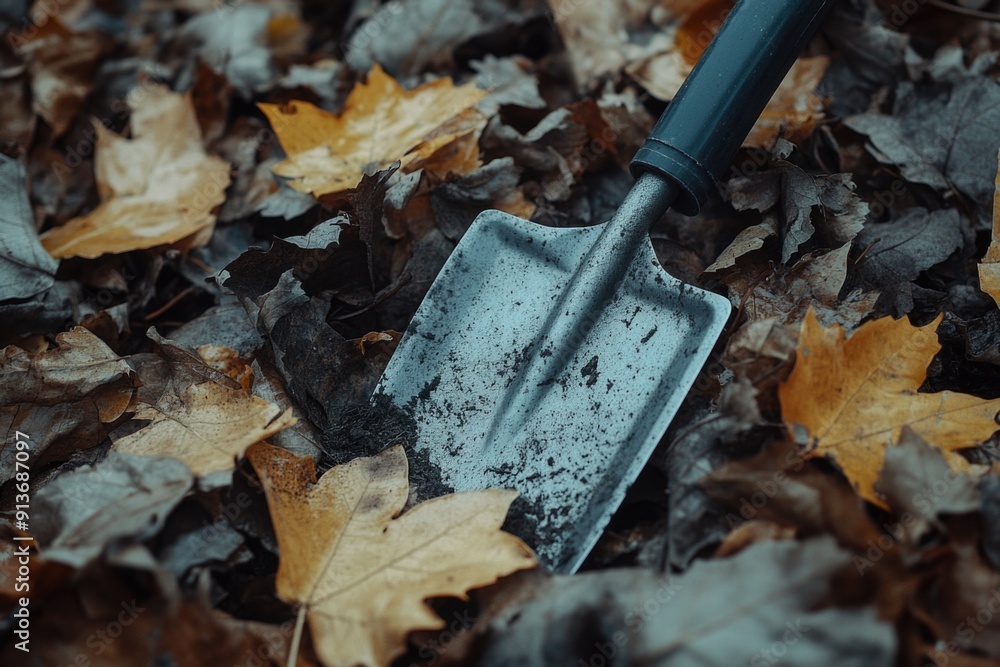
(359, 571)
(854, 396)
(207, 427)
(381, 123)
(157, 188)
(989, 269)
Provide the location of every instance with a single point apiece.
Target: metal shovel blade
(525, 367)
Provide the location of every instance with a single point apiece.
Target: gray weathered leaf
(890, 144)
(942, 134)
(871, 54)
(124, 497)
(48, 311)
(233, 40)
(406, 36)
(225, 324)
(25, 268)
(509, 81)
(989, 487)
(917, 479)
(211, 543)
(754, 608)
(905, 246)
(804, 204)
(301, 438)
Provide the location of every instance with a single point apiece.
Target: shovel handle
(698, 135)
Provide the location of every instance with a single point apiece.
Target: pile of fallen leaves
(217, 217)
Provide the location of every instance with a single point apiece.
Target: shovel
(552, 361)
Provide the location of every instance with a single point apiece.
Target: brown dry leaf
(560, 147)
(62, 65)
(602, 38)
(989, 269)
(62, 397)
(700, 20)
(854, 397)
(760, 352)
(777, 485)
(814, 281)
(208, 426)
(198, 635)
(381, 123)
(17, 117)
(227, 360)
(99, 621)
(751, 532)
(661, 74)
(158, 188)
(360, 571)
(595, 37)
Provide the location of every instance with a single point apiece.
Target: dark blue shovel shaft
(696, 138)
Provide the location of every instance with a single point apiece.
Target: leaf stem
(293, 650)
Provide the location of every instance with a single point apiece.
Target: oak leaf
(160, 187)
(381, 123)
(854, 397)
(207, 426)
(989, 269)
(359, 571)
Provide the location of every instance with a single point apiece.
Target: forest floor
(217, 220)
